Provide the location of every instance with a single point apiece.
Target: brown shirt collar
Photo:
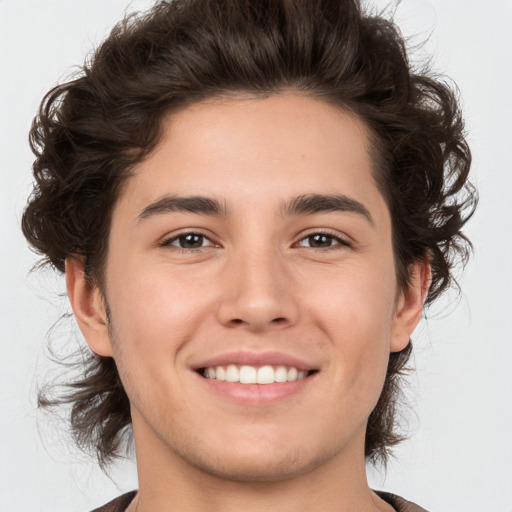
(399, 504)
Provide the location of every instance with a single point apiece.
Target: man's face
(253, 244)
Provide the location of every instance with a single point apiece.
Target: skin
(257, 284)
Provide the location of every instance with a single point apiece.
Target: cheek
(358, 299)
(356, 311)
(155, 312)
(153, 316)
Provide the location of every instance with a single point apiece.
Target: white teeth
(292, 374)
(266, 375)
(220, 373)
(232, 373)
(281, 374)
(255, 375)
(248, 375)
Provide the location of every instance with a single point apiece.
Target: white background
(459, 457)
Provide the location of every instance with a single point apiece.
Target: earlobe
(410, 305)
(89, 307)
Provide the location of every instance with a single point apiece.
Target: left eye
(189, 241)
(321, 241)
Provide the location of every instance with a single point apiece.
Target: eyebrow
(300, 205)
(319, 203)
(192, 204)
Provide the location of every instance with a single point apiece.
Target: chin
(255, 462)
(263, 469)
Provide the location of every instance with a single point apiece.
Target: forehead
(251, 150)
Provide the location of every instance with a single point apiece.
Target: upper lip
(271, 358)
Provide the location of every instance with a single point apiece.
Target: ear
(409, 306)
(89, 307)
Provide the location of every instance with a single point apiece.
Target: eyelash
(339, 242)
(169, 242)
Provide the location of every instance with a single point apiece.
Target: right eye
(189, 241)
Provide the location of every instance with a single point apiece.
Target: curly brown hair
(91, 131)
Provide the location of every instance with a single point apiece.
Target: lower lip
(257, 394)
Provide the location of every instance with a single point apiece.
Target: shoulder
(119, 504)
(399, 504)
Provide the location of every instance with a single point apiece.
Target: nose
(258, 294)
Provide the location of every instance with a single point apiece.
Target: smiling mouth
(245, 374)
